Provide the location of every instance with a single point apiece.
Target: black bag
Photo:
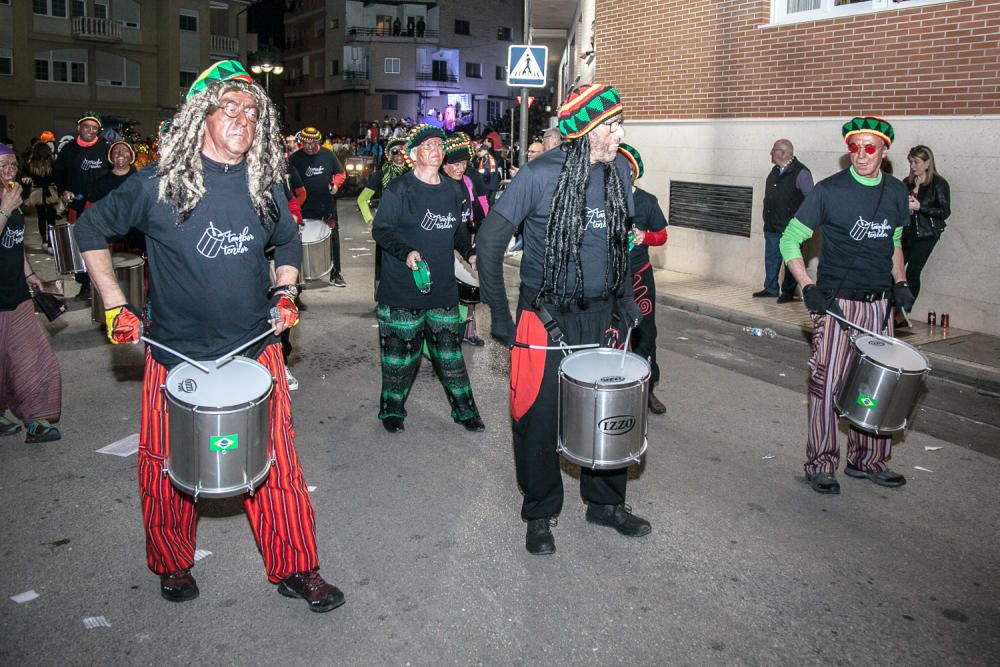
(50, 305)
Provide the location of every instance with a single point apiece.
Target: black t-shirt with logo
(316, 172)
(649, 218)
(431, 219)
(78, 168)
(208, 275)
(858, 222)
(529, 198)
(13, 288)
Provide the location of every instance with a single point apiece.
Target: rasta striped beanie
(90, 115)
(457, 147)
(585, 108)
(870, 125)
(224, 70)
(126, 144)
(421, 133)
(310, 134)
(634, 160)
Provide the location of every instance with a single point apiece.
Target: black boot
(538, 540)
(620, 518)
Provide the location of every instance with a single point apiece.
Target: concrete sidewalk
(962, 356)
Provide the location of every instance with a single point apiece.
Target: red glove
(124, 324)
(283, 310)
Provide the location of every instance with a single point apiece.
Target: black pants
(644, 336)
(916, 251)
(46, 218)
(334, 246)
(534, 406)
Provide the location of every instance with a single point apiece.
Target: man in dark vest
(787, 186)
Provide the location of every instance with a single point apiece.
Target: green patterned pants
(402, 333)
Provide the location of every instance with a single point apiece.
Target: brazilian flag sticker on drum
(866, 401)
(223, 443)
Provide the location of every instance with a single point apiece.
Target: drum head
(124, 260)
(463, 275)
(604, 366)
(314, 230)
(897, 355)
(236, 383)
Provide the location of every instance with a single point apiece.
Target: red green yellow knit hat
(122, 142)
(164, 128)
(634, 160)
(224, 70)
(310, 134)
(587, 107)
(90, 115)
(421, 133)
(457, 148)
(871, 125)
(396, 141)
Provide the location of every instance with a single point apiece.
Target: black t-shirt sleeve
(655, 219)
(125, 207)
(284, 235)
(520, 196)
(813, 209)
(389, 210)
(294, 178)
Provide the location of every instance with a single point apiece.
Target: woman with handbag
(930, 206)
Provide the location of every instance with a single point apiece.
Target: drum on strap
(130, 271)
(220, 427)
(602, 408)
(883, 382)
(315, 249)
(64, 250)
(467, 280)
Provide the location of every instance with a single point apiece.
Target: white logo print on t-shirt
(435, 221)
(596, 218)
(313, 171)
(12, 237)
(214, 241)
(873, 230)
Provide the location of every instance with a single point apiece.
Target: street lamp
(267, 68)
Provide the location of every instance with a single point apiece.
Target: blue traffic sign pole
(523, 134)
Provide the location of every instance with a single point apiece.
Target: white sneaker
(293, 384)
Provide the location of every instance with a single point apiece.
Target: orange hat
(46, 136)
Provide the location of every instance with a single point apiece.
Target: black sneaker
(885, 478)
(786, 298)
(337, 280)
(312, 588)
(620, 518)
(763, 294)
(474, 424)
(824, 482)
(178, 586)
(83, 294)
(538, 539)
(393, 424)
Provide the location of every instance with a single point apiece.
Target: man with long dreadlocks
(395, 165)
(213, 205)
(575, 204)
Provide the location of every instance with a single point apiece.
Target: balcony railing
(98, 30)
(367, 34)
(427, 78)
(356, 78)
(223, 45)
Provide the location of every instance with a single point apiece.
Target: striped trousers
(280, 510)
(832, 353)
(30, 379)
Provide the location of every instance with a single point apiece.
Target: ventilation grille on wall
(725, 209)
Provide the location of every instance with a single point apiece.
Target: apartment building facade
(128, 60)
(709, 87)
(349, 63)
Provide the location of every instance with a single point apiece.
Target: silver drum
(64, 250)
(602, 408)
(130, 270)
(220, 427)
(883, 382)
(315, 249)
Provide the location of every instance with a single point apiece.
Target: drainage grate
(724, 209)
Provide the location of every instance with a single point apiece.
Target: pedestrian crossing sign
(526, 66)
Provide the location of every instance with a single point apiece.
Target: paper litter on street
(931, 449)
(127, 446)
(26, 596)
(767, 457)
(922, 468)
(201, 553)
(361, 248)
(92, 622)
(310, 489)
(682, 338)
(348, 238)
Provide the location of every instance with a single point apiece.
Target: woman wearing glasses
(930, 206)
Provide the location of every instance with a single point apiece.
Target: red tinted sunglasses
(868, 148)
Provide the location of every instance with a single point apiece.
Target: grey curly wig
(180, 169)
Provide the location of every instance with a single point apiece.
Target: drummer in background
(862, 212)
(30, 380)
(422, 217)
(396, 165)
(322, 175)
(649, 228)
(122, 159)
(574, 202)
(457, 153)
(78, 166)
(209, 288)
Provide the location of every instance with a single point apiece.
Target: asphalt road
(745, 565)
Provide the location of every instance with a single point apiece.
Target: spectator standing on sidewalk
(930, 207)
(787, 186)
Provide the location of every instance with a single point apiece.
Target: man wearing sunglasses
(322, 174)
(862, 212)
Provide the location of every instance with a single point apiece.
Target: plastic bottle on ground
(757, 331)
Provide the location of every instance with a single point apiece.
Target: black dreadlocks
(568, 222)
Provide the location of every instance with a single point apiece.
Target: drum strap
(551, 326)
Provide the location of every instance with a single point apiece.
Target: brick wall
(700, 59)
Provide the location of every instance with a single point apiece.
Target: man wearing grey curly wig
(214, 204)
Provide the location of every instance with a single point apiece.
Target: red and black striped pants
(280, 510)
(832, 353)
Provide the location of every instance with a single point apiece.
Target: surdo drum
(883, 382)
(220, 425)
(130, 272)
(64, 250)
(315, 249)
(602, 408)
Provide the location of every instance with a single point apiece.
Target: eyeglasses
(871, 149)
(8, 164)
(431, 146)
(232, 109)
(613, 125)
